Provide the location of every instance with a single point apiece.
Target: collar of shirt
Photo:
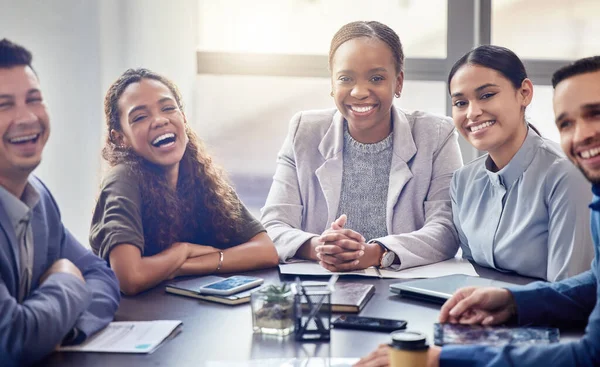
(507, 176)
(595, 204)
(18, 209)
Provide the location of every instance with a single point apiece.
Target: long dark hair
(203, 199)
(497, 58)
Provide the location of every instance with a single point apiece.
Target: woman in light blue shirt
(523, 206)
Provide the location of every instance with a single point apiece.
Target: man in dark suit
(52, 289)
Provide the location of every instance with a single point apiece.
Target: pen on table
(331, 282)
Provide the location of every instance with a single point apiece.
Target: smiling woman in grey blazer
(365, 184)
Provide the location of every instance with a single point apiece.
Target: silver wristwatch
(387, 258)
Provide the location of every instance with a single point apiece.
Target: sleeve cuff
(394, 266)
(524, 296)
(465, 355)
(287, 253)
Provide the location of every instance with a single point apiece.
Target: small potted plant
(273, 310)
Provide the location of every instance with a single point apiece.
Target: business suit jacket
(30, 330)
(304, 197)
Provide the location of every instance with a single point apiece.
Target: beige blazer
(305, 194)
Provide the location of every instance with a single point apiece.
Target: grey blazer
(305, 193)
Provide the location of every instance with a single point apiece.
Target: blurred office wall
(79, 48)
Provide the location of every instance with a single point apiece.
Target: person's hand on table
(343, 249)
(194, 250)
(380, 357)
(476, 305)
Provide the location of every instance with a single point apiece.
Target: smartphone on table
(231, 285)
(368, 323)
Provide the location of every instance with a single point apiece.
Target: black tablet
(439, 289)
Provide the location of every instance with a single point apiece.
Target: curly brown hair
(203, 201)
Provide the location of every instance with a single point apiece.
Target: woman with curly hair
(164, 209)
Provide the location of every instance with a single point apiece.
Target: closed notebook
(191, 287)
(350, 297)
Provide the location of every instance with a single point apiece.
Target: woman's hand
(194, 250)
(343, 249)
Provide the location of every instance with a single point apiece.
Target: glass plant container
(273, 310)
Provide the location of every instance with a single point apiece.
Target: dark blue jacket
(570, 302)
(31, 330)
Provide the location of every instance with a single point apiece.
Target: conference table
(218, 335)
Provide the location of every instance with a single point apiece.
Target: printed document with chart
(128, 337)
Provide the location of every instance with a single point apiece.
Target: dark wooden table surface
(215, 332)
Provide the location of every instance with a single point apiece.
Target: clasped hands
(342, 249)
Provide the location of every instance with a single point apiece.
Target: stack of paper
(127, 337)
(448, 267)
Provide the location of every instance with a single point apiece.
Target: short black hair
(12, 54)
(581, 66)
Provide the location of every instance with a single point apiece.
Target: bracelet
(220, 261)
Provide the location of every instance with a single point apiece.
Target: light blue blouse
(531, 217)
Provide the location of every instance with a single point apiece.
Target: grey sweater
(365, 181)
(305, 196)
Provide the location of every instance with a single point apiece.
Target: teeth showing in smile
(163, 139)
(23, 139)
(361, 109)
(482, 126)
(590, 153)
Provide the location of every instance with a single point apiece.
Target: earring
(397, 94)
